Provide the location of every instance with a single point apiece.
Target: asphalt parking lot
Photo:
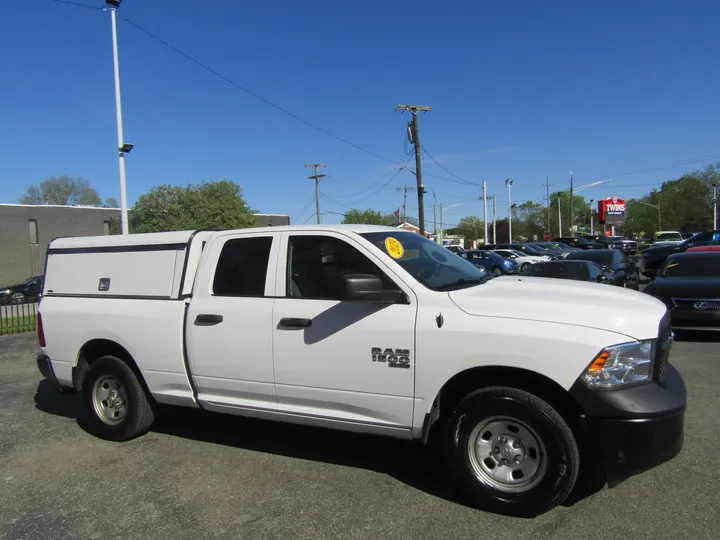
(209, 476)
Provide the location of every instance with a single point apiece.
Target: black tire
(497, 272)
(138, 413)
(554, 480)
(524, 267)
(18, 298)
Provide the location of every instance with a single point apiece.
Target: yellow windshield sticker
(394, 248)
(672, 264)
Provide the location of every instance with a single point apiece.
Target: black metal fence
(18, 318)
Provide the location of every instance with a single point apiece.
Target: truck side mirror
(367, 288)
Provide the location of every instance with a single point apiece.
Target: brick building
(26, 230)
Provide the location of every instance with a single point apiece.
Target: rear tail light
(40, 331)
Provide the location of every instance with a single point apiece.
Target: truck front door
(349, 362)
(229, 322)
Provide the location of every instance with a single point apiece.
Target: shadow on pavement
(415, 465)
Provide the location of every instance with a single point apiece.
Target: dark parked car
(610, 242)
(492, 262)
(689, 284)
(574, 270)
(558, 247)
(580, 242)
(654, 257)
(27, 291)
(526, 248)
(623, 271)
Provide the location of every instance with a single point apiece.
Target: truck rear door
(229, 322)
(344, 361)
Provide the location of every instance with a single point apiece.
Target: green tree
(471, 228)
(62, 190)
(529, 220)
(581, 209)
(369, 217)
(211, 205)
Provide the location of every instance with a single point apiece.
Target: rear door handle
(296, 323)
(209, 319)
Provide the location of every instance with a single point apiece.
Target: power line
(653, 168)
(77, 4)
(462, 180)
(255, 95)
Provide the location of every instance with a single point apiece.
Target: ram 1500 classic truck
(369, 329)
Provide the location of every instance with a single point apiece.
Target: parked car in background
(565, 269)
(623, 272)
(654, 256)
(629, 246)
(689, 284)
(667, 238)
(27, 291)
(579, 242)
(609, 242)
(525, 248)
(523, 259)
(702, 248)
(455, 248)
(493, 263)
(559, 247)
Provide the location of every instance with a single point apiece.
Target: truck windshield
(431, 264)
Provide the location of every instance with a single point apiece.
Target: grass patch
(16, 325)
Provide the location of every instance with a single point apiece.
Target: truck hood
(561, 301)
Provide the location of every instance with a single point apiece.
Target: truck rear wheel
(511, 452)
(116, 405)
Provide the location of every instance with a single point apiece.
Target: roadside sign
(546, 236)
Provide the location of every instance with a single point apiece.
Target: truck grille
(662, 349)
(697, 304)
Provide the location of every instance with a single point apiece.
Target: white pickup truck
(370, 329)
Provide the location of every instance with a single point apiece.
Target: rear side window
(242, 267)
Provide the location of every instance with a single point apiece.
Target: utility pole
(509, 184)
(435, 231)
(405, 189)
(592, 219)
(559, 217)
(484, 200)
(548, 185)
(715, 203)
(317, 178)
(414, 136)
(494, 224)
(572, 213)
(442, 231)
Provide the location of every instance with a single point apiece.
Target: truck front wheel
(116, 406)
(511, 452)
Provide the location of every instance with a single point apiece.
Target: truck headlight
(620, 365)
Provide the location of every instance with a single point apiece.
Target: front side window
(317, 264)
(429, 263)
(242, 267)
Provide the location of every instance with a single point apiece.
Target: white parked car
(523, 259)
(369, 329)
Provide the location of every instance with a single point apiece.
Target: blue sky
(522, 89)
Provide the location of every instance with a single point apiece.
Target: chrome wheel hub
(507, 455)
(109, 400)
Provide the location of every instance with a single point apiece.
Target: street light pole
(509, 184)
(122, 147)
(715, 202)
(592, 219)
(656, 207)
(572, 195)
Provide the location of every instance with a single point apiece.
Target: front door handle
(207, 318)
(295, 323)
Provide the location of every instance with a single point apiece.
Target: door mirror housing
(368, 288)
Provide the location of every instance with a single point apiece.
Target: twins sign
(611, 210)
